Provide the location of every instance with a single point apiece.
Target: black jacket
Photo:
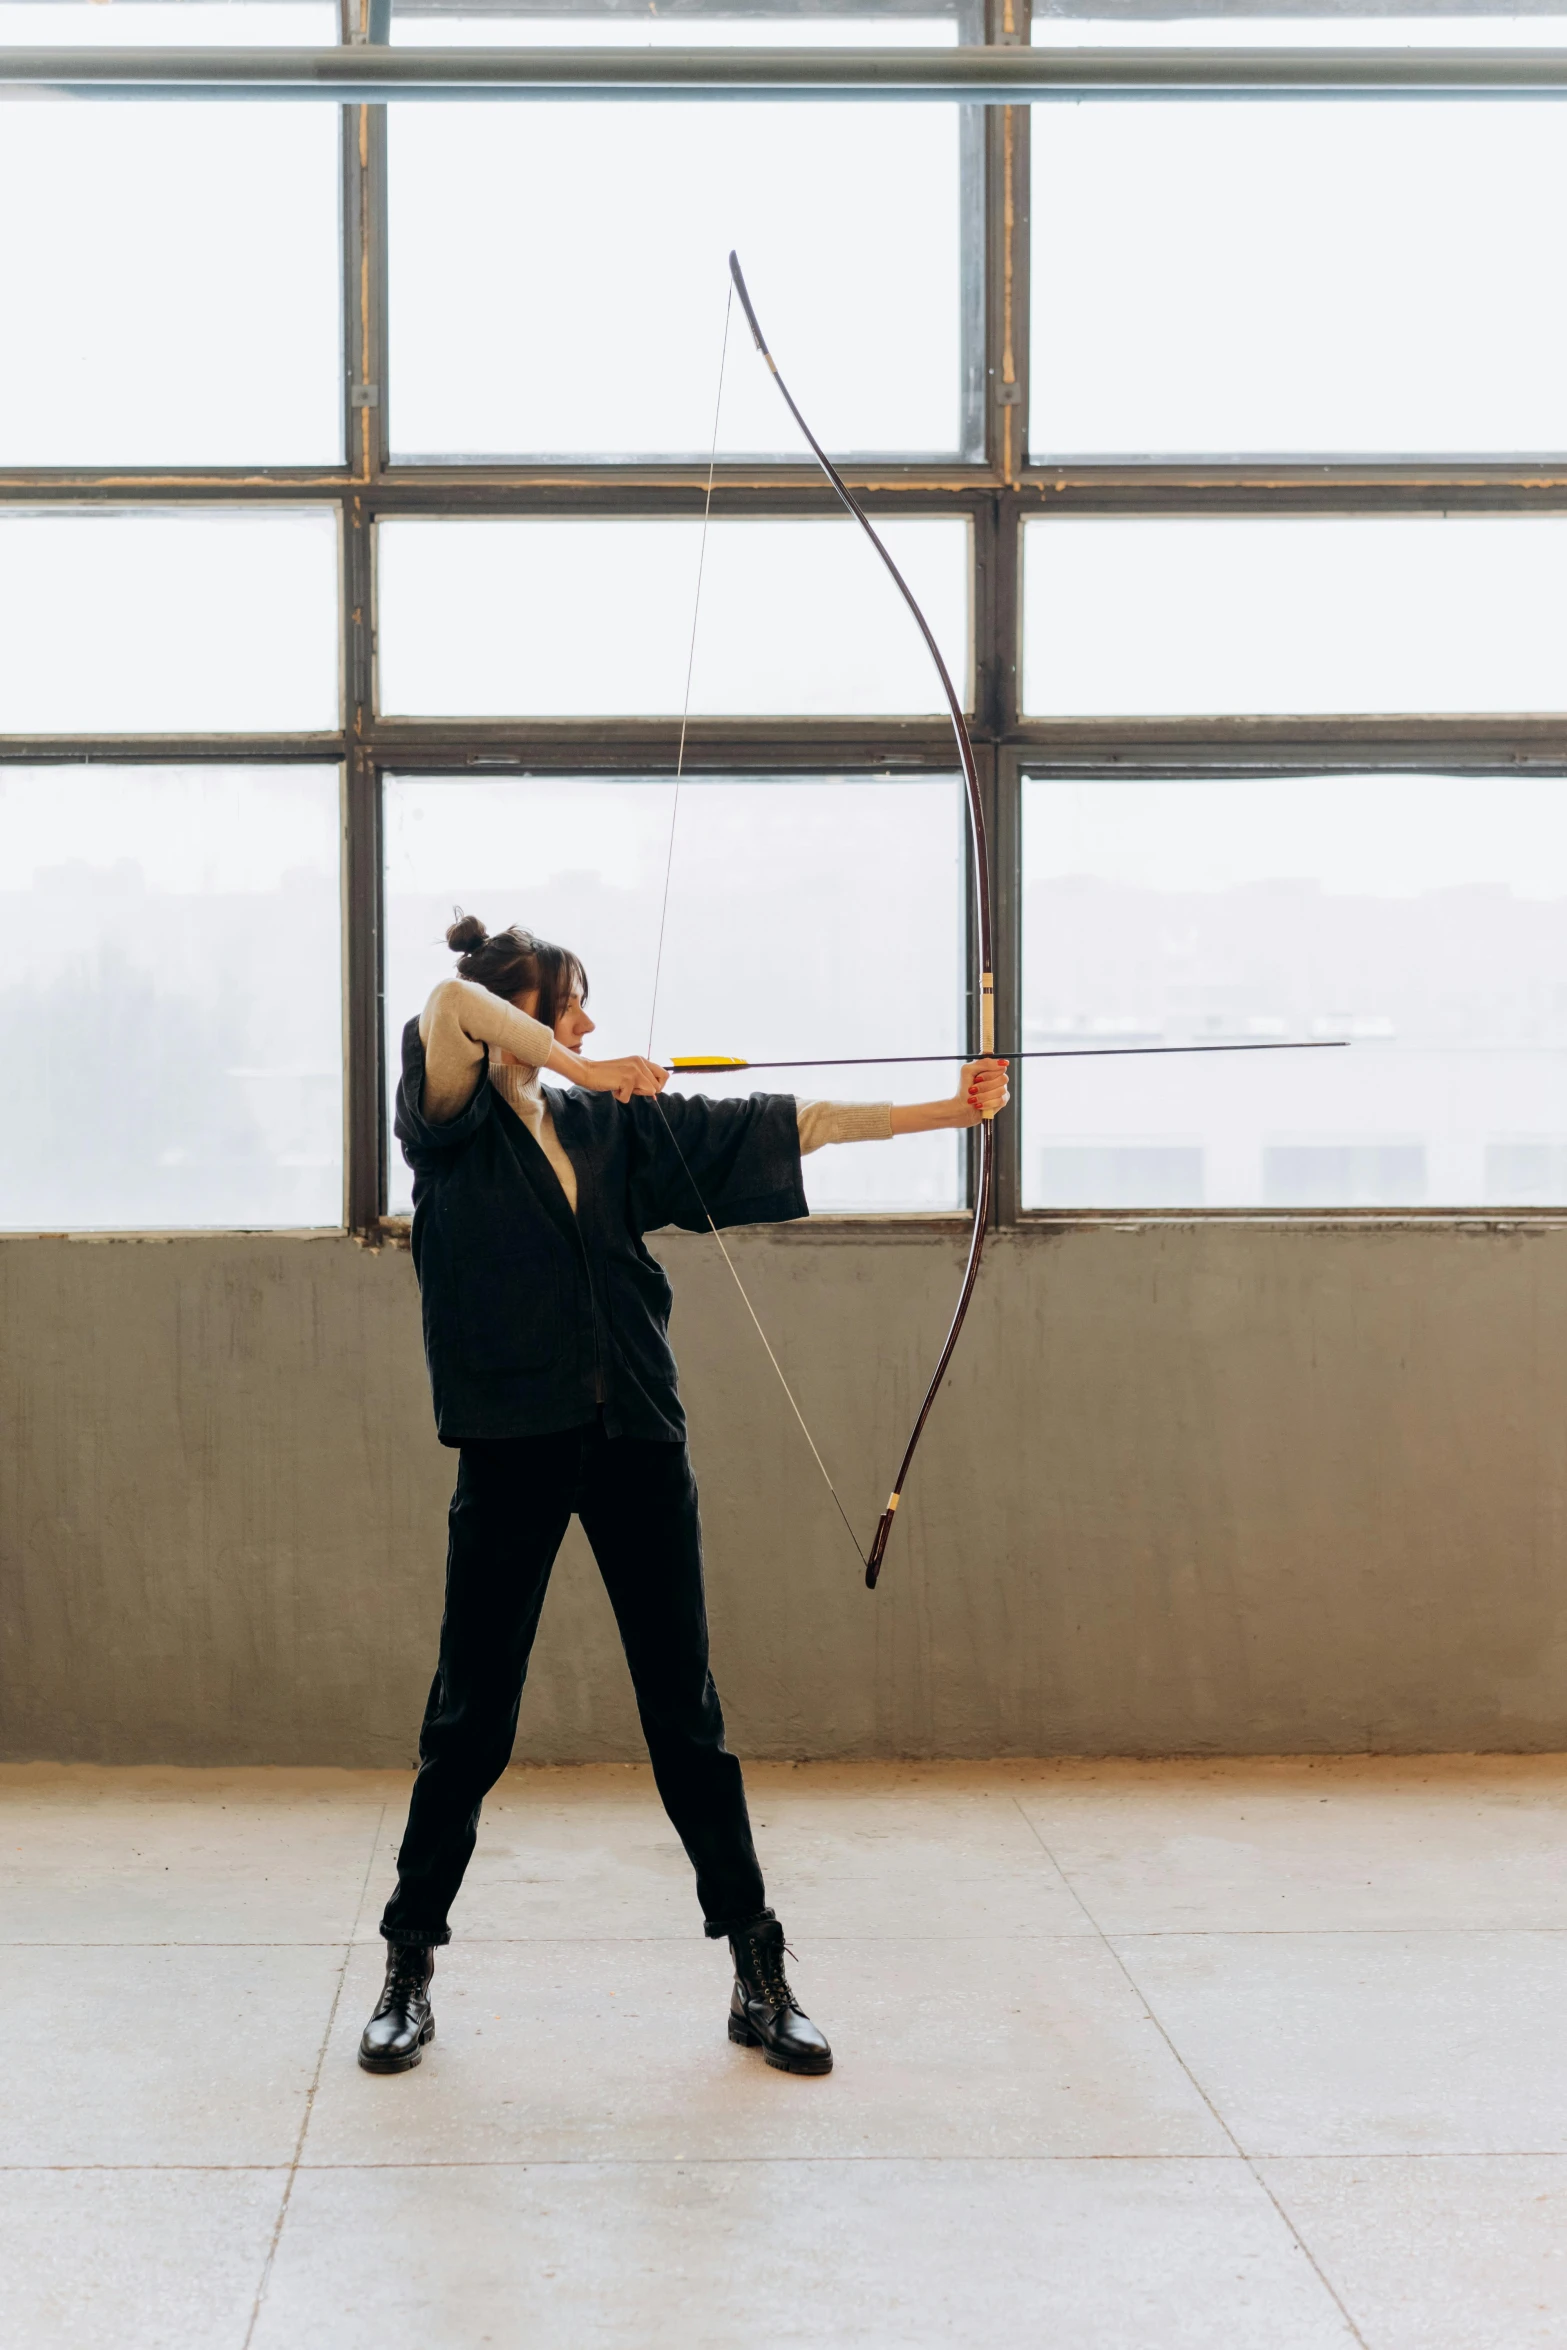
(536, 1319)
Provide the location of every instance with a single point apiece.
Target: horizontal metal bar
(974, 76)
(1432, 485)
(1172, 495)
(569, 489)
(1249, 486)
(172, 750)
(632, 746)
(1507, 744)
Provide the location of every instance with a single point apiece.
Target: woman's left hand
(982, 1091)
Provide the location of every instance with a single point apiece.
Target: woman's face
(571, 1025)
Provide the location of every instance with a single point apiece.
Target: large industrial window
(170, 281)
(560, 619)
(353, 471)
(1420, 920)
(1311, 280)
(605, 342)
(772, 942)
(170, 996)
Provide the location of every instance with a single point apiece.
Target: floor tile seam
(1253, 2160)
(185, 2169)
(1556, 2153)
(348, 1949)
(1089, 1930)
(595, 1941)
(573, 1941)
(334, 1942)
(981, 1939)
(1264, 2188)
(638, 2162)
(1311, 1933)
(1090, 1927)
(1242, 2161)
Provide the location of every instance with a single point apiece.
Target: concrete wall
(1216, 1488)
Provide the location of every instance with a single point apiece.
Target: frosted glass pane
(170, 998)
(1417, 613)
(584, 863)
(1304, 279)
(1424, 918)
(602, 338)
(167, 24)
(163, 622)
(170, 285)
(1234, 29)
(593, 619)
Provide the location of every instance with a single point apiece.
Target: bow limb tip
(878, 1550)
(738, 275)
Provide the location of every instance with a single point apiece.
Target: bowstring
(859, 1547)
(685, 707)
(663, 924)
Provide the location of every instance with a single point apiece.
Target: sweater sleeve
(824, 1122)
(457, 1027)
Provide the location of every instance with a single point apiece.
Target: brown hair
(514, 963)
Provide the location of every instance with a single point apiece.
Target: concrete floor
(1267, 2056)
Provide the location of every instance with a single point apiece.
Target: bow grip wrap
(878, 1550)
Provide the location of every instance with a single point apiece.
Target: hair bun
(466, 933)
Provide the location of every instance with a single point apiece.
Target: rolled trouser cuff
(725, 1929)
(417, 1937)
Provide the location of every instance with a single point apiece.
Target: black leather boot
(395, 2036)
(764, 2013)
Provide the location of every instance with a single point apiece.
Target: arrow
(716, 1064)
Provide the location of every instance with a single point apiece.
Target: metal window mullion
(985, 763)
(375, 165)
(1006, 133)
(1007, 921)
(365, 23)
(364, 449)
(365, 1105)
(973, 26)
(364, 307)
(363, 976)
(996, 611)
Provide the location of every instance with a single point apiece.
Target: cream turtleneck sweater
(463, 1026)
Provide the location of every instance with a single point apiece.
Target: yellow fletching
(709, 1061)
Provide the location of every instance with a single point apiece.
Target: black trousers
(638, 1506)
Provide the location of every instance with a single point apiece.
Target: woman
(545, 1332)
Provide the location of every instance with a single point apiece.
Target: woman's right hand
(623, 1078)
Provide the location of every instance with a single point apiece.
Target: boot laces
(405, 1974)
(767, 1962)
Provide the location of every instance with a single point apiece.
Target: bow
(984, 983)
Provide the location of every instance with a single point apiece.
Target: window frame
(996, 492)
(578, 749)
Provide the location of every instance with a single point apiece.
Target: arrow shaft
(1087, 1052)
